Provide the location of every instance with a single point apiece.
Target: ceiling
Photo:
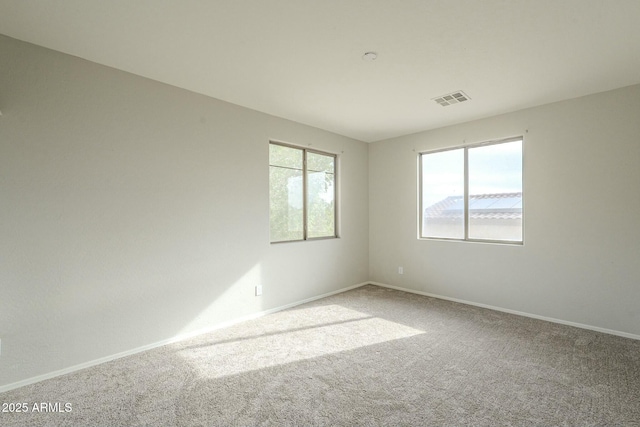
(302, 59)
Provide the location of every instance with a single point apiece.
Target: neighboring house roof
(481, 206)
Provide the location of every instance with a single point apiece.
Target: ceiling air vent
(452, 98)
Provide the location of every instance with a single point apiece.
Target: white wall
(132, 212)
(580, 261)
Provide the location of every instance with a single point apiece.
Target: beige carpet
(371, 356)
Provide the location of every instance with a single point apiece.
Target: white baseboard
(172, 340)
(232, 322)
(519, 313)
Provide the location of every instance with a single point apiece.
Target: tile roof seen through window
(481, 206)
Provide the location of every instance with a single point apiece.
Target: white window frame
(466, 148)
(305, 236)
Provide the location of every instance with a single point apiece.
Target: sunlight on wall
(236, 300)
(290, 336)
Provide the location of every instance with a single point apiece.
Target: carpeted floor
(370, 356)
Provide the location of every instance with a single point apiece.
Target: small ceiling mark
(452, 98)
(369, 56)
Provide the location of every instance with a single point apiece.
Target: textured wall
(579, 262)
(132, 212)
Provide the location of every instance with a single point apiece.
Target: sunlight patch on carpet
(295, 335)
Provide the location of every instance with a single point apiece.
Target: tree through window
(302, 193)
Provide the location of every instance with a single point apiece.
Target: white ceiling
(301, 59)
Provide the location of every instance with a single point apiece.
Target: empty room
(292, 212)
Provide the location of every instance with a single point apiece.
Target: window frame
(305, 231)
(466, 148)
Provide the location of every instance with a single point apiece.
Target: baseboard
(172, 340)
(519, 313)
(257, 315)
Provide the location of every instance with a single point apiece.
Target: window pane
(320, 195)
(320, 163)
(287, 157)
(285, 193)
(443, 194)
(495, 192)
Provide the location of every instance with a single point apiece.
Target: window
(302, 193)
(473, 193)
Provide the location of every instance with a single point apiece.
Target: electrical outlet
(258, 290)
(400, 270)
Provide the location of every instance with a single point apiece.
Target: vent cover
(452, 98)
